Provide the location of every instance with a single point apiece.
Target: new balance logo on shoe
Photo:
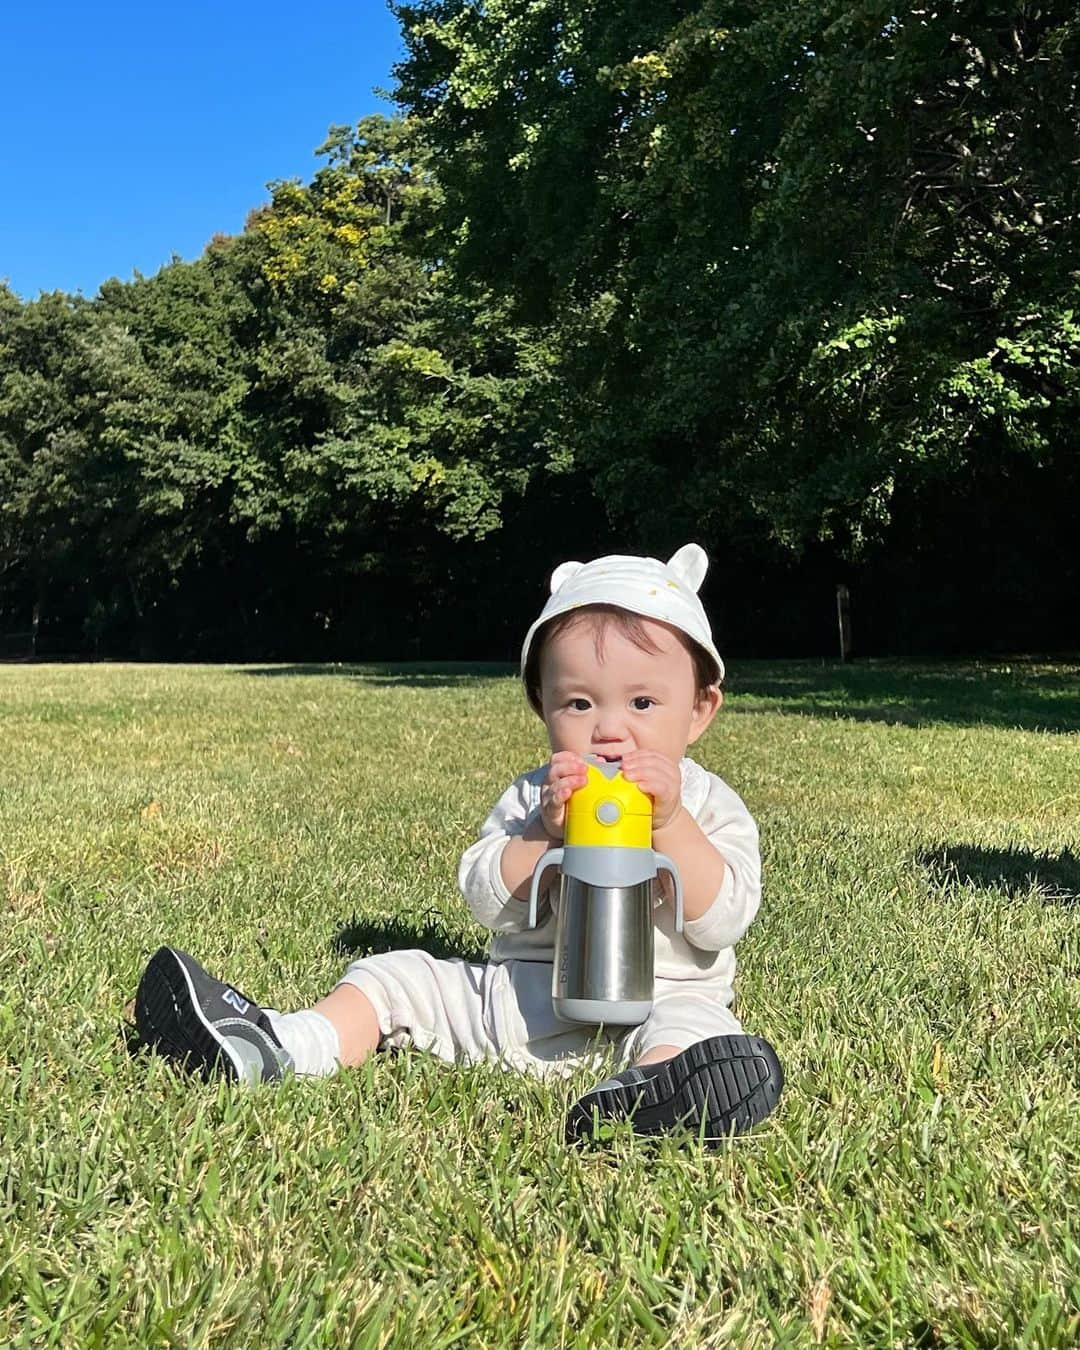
(235, 1000)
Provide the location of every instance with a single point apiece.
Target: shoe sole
(170, 1019)
(715, 1088)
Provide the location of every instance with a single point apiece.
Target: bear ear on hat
(690, 563)
(563, 573)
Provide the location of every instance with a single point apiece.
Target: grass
(915, 963)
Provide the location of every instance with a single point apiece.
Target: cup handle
(551, 858)
(664, 863)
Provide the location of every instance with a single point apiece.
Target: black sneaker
(186, 1014)
(715, 1088)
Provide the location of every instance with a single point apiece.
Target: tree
(49, 483)
(311, 387)
(393, 396)
(791, 257)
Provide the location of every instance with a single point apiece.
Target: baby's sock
(310, 1038)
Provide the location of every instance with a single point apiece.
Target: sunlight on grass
(915, 963)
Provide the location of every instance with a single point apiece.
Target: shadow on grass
(1021, 694)
(127, 1033)
(414, 674)
(366, 937)
(1016, 871)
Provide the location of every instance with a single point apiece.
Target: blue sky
(129, 132)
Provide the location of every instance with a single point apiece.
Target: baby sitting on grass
(621, 665)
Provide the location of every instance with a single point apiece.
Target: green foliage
(375, 406)
(313, 380)
(785, 253)
(765, 276)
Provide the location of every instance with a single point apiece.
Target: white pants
(502, 1011)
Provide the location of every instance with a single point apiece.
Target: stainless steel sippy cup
(603, 968)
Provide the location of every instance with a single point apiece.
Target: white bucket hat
(645, 586)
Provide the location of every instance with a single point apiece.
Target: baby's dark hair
(630, 625)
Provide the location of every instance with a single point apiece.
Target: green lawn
(915, 963)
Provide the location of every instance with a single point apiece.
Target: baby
(620, 664)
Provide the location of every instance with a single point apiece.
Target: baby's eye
(642, 702)
(579, 704)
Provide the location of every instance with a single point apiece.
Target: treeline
(796, 281)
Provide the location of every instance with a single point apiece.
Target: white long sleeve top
(703, 951)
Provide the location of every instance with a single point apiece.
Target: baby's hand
(566, 773)
(657, 776)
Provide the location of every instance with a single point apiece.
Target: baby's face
(624, 698)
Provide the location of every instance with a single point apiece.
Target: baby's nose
(609, 725)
